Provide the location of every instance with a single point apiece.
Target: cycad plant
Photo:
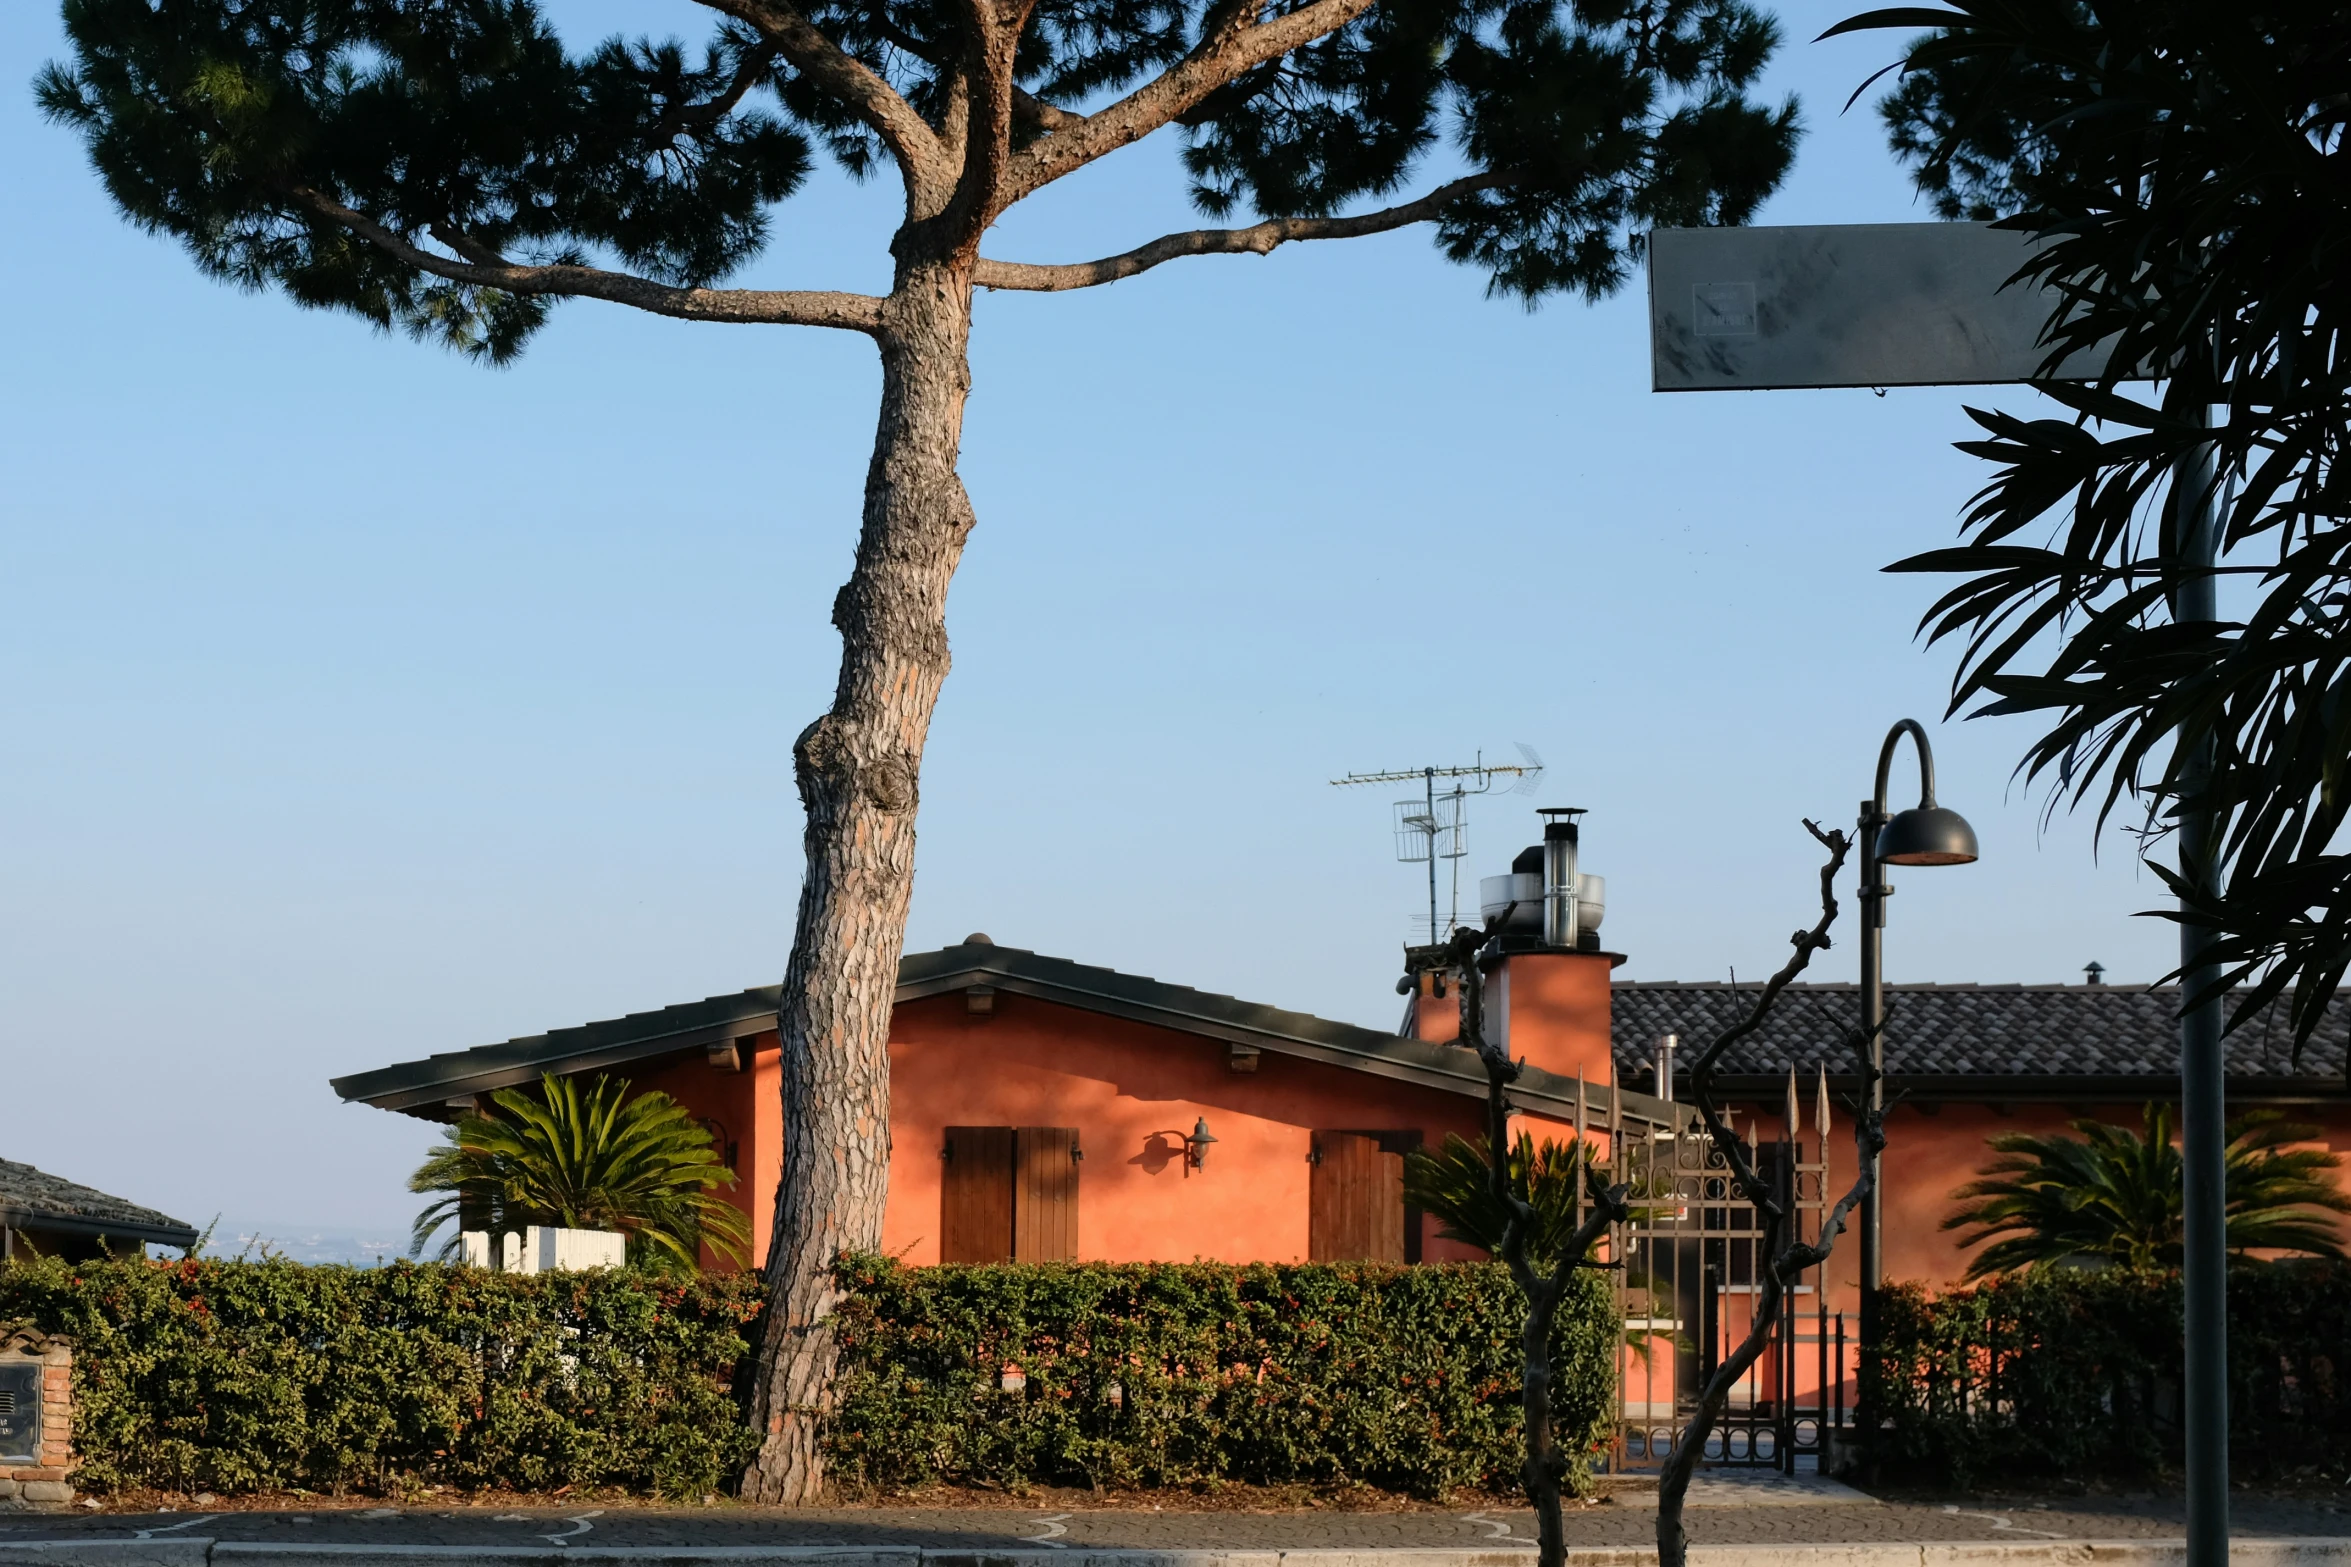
(599, 1159)
(1454, 1185)
(2111, 1195)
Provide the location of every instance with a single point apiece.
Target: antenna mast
(1432, 828)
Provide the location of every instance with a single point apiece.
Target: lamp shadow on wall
(1160, 1150)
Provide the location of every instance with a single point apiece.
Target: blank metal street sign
(1849, 304)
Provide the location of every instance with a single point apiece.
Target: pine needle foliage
(2186, 166)
(602, 1158)
(2113, 1196)
(257, 131)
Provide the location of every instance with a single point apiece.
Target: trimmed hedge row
(234, 1376)
(2078, 1373)
(237, 1376)
(1160, 1374)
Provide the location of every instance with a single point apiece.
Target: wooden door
(975, 1195)
(1355, 1200)
(1045, 1194)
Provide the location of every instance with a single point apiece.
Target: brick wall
(43, 1483)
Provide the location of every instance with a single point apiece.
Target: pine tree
(453, 169)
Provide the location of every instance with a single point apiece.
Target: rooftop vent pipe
(1559, 875)
(1666, 1045)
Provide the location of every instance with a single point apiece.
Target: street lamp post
(1925, 834)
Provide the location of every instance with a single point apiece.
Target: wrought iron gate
(1692, 1255)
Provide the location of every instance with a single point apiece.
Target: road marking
(579, 1526)
(185, 1523)
(1496, 1528)
(2000, 1521)
(1054, 1525)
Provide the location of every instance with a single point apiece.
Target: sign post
(1930, 304)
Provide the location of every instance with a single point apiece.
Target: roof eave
(169, 1233)
(1006, 969)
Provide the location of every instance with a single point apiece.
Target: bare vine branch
(1787, 1256)
(1546, 1465)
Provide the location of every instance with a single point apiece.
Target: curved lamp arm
(1926, 763)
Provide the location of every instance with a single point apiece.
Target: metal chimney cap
(1568, 811)
(978, 938)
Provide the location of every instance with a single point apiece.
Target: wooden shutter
(975, 1195)
(1045, 1195)
(1355, 1200)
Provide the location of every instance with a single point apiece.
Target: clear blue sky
(358, 703)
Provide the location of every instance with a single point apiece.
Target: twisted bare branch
(1787, 1257)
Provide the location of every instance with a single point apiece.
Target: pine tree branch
(1257, 239)
(992, 36)
(851, 81)
(1220, 56)
(485, 268)
(749, 72)
(1036, 111)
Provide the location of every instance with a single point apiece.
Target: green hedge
(233, 1376)
(2078, 1373)
(1169, 1374)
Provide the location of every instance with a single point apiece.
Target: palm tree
(1452, 1184)
(598, 1160)
(2113, 1195)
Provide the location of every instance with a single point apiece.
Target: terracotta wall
(743, 1111)
(1133, 1091)
(1934, 1149)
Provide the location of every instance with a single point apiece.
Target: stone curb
(2312, 1552)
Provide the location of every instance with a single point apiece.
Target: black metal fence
(2072, 1372)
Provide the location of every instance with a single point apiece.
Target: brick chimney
(1547, 986)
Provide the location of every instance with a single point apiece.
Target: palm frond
(2111, 1196)
(598, 1158)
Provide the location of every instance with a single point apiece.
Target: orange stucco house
(1046, 1109)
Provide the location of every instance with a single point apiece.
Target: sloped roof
(32, 1199)
(2053, 1035)
(425, 1086)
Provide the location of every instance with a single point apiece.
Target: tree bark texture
(858, 770)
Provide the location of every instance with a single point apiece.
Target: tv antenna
(1434, 827)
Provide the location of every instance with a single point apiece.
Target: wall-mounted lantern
(1196, 1145)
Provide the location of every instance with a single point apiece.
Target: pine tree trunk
(858, 769)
